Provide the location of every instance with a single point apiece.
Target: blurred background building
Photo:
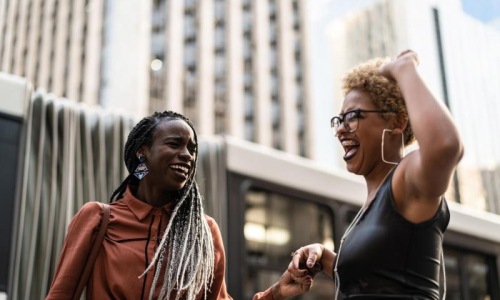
(460, 62)
(236, 67)
(264, 71)
(246, 68)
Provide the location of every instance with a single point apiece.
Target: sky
(321, 13)
(484, 10)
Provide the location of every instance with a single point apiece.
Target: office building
(460, 56)
(234, 67)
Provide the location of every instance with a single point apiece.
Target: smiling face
(171, 157)
(362, 147)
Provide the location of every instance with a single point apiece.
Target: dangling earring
(141, 169)
(402, 147)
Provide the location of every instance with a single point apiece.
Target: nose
(341, 129)
(186, 155)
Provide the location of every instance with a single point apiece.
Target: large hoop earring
(402, 151)
(141, 169)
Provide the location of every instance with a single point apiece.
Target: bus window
(275, 225)
(467, 275)
(451, 261)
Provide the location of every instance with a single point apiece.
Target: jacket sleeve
(75, 251)
(218, 289)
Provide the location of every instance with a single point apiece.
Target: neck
(375, 179)
(155, 197)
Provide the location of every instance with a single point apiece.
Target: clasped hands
(298, 278)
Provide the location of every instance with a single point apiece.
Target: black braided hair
(186, 250)
(142, 134)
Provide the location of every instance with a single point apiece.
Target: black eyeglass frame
(358, 111)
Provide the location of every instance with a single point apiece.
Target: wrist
(323, 254)
(276, 292)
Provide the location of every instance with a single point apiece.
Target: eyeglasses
(350, 119)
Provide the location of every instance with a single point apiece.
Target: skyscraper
(237, 67)
(460, 57)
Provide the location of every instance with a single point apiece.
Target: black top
(387, 257)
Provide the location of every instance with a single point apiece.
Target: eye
(350, 116)
(337, 121)
(172, 144)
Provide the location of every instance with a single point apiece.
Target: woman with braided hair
(159, 244)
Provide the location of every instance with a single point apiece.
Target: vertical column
(32, 40)
(175, 40)
(19, 62)
(47, 46)
(308, 103)
(127, 54)
(234, 115)
(60, 49)
(75, 49)
(8, 12)
(286, 74)
(205, 95)
(262, 89)
(93, 51)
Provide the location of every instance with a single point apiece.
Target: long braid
(186, 250)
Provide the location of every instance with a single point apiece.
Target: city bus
(270, 203)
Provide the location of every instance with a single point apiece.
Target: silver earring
(402, 147)
(141, 169)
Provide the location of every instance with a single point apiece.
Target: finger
(296, 256)
(295, 272)
(303, 280)
(312, 258)
(412, 54)
(404, 52)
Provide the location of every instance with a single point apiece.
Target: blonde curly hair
(385, 93)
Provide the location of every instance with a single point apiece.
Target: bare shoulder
(411, 204)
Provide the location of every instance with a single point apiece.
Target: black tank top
(387, 257)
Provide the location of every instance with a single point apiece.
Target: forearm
(430, 119)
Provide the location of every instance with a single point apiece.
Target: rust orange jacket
(134, 232)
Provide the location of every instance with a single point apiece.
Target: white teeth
(349, 143)
(181, 168)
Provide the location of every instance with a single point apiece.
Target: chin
(352, 169)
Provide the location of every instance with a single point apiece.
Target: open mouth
(350, 148)
(183, 170)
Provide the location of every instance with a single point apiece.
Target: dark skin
(170, 160)
(420, 179)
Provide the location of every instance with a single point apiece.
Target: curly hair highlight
(384, 93)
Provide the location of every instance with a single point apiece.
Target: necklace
(351, 226)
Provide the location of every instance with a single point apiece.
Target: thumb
(314, 256)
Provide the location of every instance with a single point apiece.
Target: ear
(142, 151)
(400, 124)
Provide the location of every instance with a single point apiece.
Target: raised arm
(428, 170)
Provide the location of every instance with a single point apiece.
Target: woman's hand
(291, 285)
(313, 257)
(306, 262)
(406, 59)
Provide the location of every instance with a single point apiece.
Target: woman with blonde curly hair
(393, 247)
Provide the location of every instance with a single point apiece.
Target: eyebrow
(180, 139)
